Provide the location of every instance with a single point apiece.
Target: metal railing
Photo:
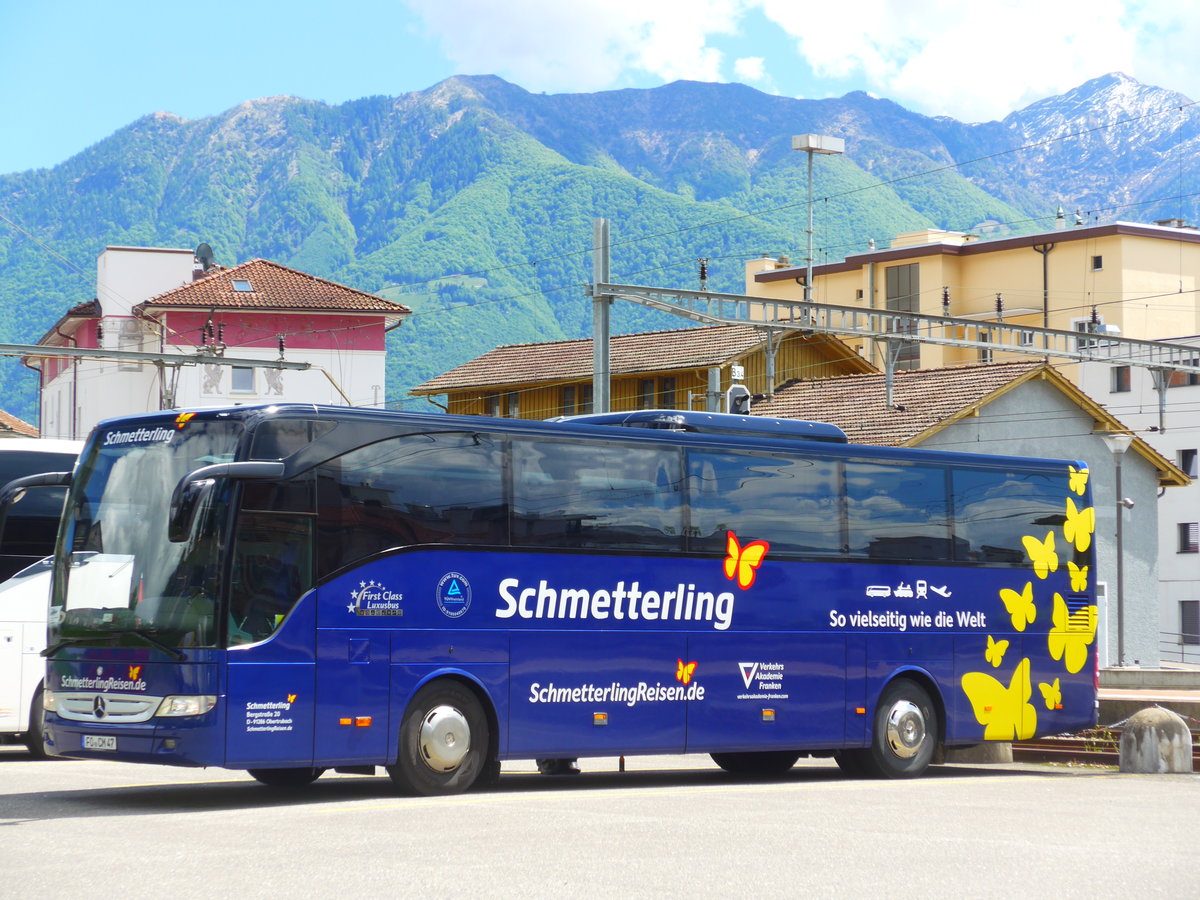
(1175, 646)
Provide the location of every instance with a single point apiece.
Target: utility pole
(601, 317)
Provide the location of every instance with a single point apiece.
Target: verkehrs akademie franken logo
(453, 594)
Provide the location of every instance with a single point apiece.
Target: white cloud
(971, 61)
(750, 69)
(581, 45)
(941, 57)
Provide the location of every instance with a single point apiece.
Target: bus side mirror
(193, 487)
(12, 492)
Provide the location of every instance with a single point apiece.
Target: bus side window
(792, 503)
(994, 509)
(410, 490)
(596, 495)
(898, 512)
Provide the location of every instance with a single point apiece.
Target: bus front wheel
(34, 736)
(905, 733)
(443, 741)
(767, 762)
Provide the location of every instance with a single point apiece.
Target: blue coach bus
(290, 589)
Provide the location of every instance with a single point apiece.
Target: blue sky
(72, 72)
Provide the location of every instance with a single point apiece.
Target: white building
(1173, 429)
(173, 302)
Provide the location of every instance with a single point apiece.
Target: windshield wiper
(65, 642)
(111, 637)
(177, 655)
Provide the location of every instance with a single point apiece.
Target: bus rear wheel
(286, 778)
(767, 762)
(443, 741)
(905, 733)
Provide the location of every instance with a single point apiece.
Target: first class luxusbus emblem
(453, 594)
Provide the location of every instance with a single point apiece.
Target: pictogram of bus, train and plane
(904, 590)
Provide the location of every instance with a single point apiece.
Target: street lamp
(827, 146)
(1118, 444)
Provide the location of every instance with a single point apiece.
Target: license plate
(99, 742)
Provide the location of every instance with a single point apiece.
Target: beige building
(653, 370)
(1139, 279)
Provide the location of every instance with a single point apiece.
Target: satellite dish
(204, 256)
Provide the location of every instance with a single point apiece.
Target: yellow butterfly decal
(134, 672)
(1077, 479)
(684, 671)
(1005, 712)
(995, 651)
(1071, 634)
(1079, 525)
(1078, 576)
(1043, 554)
(1052, 694)
(741, 563)
(182, 419)
(1020, 606)
(291, 698)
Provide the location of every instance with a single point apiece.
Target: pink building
(174, 303)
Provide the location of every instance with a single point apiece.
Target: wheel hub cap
(905, 729)
(445, 738)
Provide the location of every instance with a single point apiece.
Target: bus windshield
(117, 571)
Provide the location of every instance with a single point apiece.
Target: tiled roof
(927, 400)
(273, 287)
(84, 310)
(652, 351)
(923, 399)
(11, 426)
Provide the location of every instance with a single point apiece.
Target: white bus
(27, 538)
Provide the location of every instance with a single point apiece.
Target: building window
(1089, 327)
(1189, 621)
(903, 293)
(1097, 263)
(985, 353)
(1026, 339)
(513, 403)
(1184, 379)
(1189, 537)
(491, 405)
(585, 399)
(1187, 462)
(242, 286)
(567, 401)
(646, 393)
(666, 393)
(241, 380)
(130, 338)
(1120, 380)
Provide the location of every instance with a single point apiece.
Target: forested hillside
(472, 202)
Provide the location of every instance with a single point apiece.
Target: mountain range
(472, 201)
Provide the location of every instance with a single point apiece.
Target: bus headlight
(186, 705)
(49, 704)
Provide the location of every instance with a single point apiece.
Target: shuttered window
(1189, 537)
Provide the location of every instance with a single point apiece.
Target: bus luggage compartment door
(352, 696)
(596, 693)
